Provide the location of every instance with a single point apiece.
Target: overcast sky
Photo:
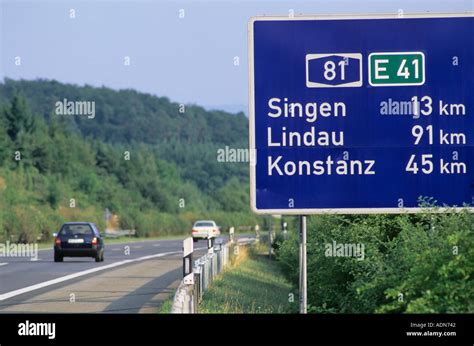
(189, 59)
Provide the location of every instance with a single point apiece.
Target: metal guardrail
(205, 269)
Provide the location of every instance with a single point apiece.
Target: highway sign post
(303, 267)
(361, 114)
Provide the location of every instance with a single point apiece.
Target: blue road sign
(361, 114)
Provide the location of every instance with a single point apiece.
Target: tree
(18, 118)
(5, 142)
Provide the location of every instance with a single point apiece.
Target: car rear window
(79, 229)
(204, 224)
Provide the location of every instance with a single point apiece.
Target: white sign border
(314, 211)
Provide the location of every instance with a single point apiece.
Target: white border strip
(253, 202)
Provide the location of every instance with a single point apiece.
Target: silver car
(204, 229)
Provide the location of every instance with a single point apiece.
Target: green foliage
(189, 140)
(54, 195)
(154, 167)
(231, 196)
(18, 118)
(413, 263)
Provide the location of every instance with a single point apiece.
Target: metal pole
(303, 269)
(270, 225)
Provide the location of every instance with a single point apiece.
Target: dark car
(79, 239)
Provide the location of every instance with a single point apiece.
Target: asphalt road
(135, 277)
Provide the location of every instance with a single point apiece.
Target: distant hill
(171, 175)
(127, 115)
(234, 109)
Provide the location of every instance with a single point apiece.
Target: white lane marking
(79, 274)
(3, 264)
(137, 247)
(156, 245)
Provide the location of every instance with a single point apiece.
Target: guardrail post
(196, 293)
(215, 266)
(210, 245)
(188, 275)
(201, 283)
(218, 255)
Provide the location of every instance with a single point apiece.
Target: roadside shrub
(412, 263)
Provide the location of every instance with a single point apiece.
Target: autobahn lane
(132, 275)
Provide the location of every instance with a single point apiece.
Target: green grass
(254, 285)
(165, 308)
